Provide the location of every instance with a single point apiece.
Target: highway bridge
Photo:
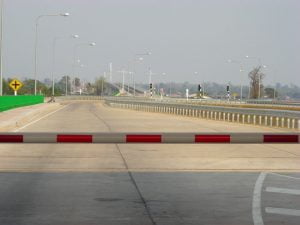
(142, 183)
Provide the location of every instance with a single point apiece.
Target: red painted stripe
(143, 138)
(212, 138)
(280, 138)
(74, 138)
(11, 138)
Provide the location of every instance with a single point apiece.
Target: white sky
(184, 36)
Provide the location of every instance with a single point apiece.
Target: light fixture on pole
(241, 71)
(54, 54)
(123, 72)
(1, 48)
(91, 44)
(137, 58)
(36, 44)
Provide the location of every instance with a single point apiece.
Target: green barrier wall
(10, 102)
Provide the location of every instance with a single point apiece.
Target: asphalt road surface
(89, 184)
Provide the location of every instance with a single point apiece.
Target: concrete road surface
(88, 184)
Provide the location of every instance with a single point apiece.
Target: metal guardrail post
(189, 110)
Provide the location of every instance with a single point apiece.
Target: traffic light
(228, 92)
(151, 90)
(199, 87)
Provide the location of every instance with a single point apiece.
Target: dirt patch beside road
(13, 119)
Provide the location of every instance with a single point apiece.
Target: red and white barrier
(116, 138)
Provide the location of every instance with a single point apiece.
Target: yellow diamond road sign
(15, 84)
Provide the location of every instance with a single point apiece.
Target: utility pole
(123, 79)
(102, 85)
(66, 85)
(1, 48)
(110, 72)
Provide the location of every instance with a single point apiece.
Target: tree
(60, 86)
(90, 88)
(271, 93)
(77, 82)
(100, 86)
(6, 89)
(256, 86)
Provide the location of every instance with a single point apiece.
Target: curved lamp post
(36, 43)
(91, 44)
(241, 71)
(137, 58)
(54, 54)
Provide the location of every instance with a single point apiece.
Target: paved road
(146, 184)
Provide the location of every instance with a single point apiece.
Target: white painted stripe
(256, 202)
(283, 190)
(286, 176)
(49, 114)
(283, 211)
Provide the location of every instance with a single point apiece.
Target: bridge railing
(261, 117)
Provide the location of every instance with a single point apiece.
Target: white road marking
(256, 202)
(281, 175)
(16, 130)
(283, 211)
(283, 190)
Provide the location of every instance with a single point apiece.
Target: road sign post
(15, 85)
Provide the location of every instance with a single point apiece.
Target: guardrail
(118, 138)
(262, 117)
(219, 102)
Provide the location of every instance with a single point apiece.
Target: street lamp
(36, 43)
(137, 58)
(1, 48)
(53, 56)
(91, 44)
(123, 78)
(241, 71)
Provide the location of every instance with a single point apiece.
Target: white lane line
(49, 114)
(283, 190)
(283, 211)
(286, 176)
(256, 202)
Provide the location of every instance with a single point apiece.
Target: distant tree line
(65, 84)
(216, 90)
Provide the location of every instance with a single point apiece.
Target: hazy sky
(184, 36)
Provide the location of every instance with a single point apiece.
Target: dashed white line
(283, 190)
(256, 202)
(283, 211)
